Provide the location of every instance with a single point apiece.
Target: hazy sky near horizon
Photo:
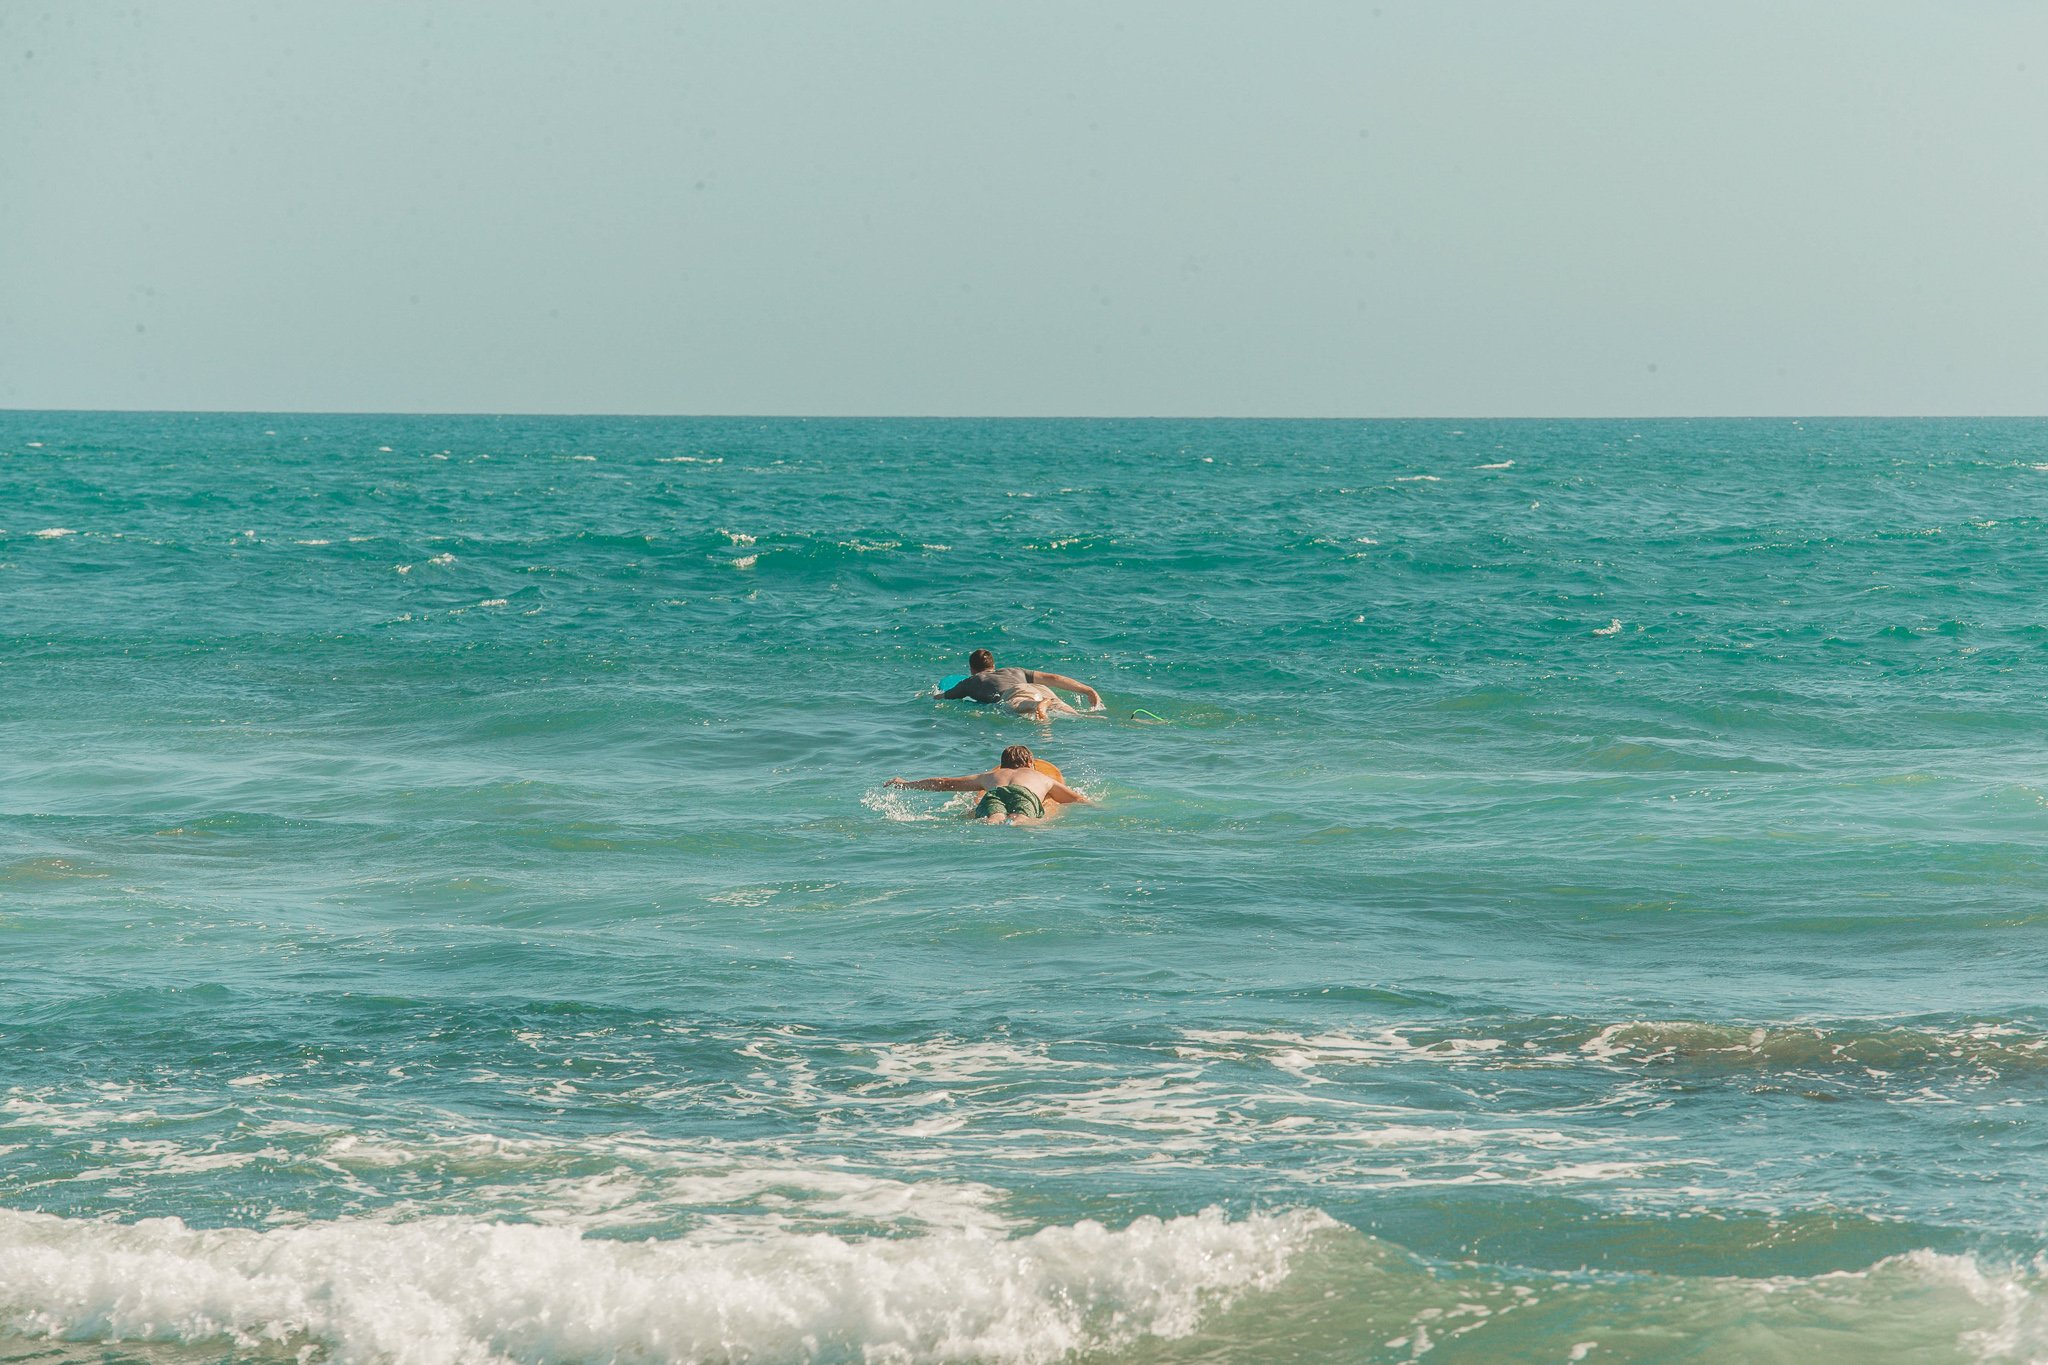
(1458, 207)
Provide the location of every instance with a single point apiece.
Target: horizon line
(1044, 417)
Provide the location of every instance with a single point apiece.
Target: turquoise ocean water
(1585, 899)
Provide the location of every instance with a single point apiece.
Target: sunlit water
(1582, 896)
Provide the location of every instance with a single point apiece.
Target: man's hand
(895, 782)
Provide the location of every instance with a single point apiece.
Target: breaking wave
(454, 1292)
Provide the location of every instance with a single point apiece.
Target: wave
(1360, 1298)
(1966, 1048)
(1989, 1048)
(1282, 1286)
(453, 1291)
(1652, 756)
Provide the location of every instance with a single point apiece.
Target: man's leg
(1038, 703)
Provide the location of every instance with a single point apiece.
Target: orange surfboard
(1049, 770)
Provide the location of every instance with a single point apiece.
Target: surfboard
(953, 680)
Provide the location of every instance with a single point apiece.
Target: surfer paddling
(1017, 791)
(1028, 692)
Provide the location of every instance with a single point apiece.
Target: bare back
(1030, 779)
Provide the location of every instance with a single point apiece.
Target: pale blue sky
(1443, 208)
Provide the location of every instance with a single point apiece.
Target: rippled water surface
(1563, 891)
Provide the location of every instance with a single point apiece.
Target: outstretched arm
(1066, 795)
(1061, 680)
(972, 783)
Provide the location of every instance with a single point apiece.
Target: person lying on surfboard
(1026, 691)
(1018, 789)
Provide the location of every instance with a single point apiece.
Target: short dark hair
(980, 661)
(1016, 756)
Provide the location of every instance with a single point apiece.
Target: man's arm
(957, 692)
(1070, 684)
(1065, 795)
(973, 783)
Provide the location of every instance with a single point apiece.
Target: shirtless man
(1023, 690)
(1017, 792)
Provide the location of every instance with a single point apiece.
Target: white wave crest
(461, 1292)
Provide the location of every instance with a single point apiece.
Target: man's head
(980, 661)
(1016, 756)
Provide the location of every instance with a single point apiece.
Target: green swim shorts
(1011, 800)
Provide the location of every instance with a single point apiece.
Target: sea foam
(448, 1291)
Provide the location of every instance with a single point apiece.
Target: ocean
(1561, 891)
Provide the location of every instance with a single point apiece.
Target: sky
(810, 207)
